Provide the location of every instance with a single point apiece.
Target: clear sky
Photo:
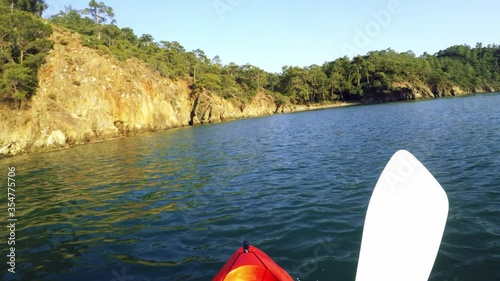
(273, 33)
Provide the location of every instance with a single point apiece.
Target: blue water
(174, 205)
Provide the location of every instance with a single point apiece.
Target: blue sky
(273, 33)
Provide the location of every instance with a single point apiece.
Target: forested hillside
(383, 75)
(23, 46)
(371, 77)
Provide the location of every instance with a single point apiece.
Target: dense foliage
(23, 46)
(169, 58)
(368, 77)
(36, 7)
(372, 77)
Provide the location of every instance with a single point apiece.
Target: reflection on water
(174, 205)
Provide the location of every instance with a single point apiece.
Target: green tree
(294, 84)
(251, 77)
(72, 19)
(229, 88)
(99, 12)
(341, 78)
(5, 36)
(197, 62)
(273, 80)
(211, 82)
(336, 85)
(18, 82)
(23, 46)
(318, 83)
(217, 61)
(27, 33)
(173, 56)
(146, 40)
(35, 7)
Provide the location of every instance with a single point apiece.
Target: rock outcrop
(403, 91)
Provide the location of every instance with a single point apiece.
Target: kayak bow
(249, 263)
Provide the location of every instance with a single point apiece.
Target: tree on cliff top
(36, 7)
(23, 46)
(18, 82)
(26, 34)
(99, 12)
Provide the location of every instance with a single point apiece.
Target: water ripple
(175, 205)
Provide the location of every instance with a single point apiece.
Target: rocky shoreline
(54, 131)
(84, 96)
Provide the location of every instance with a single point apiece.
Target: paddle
(404, 223)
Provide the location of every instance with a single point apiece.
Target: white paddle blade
(404, 223)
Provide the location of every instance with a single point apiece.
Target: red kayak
(251, 264)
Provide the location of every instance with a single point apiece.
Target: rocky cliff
(404, 91)
(85, 96)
